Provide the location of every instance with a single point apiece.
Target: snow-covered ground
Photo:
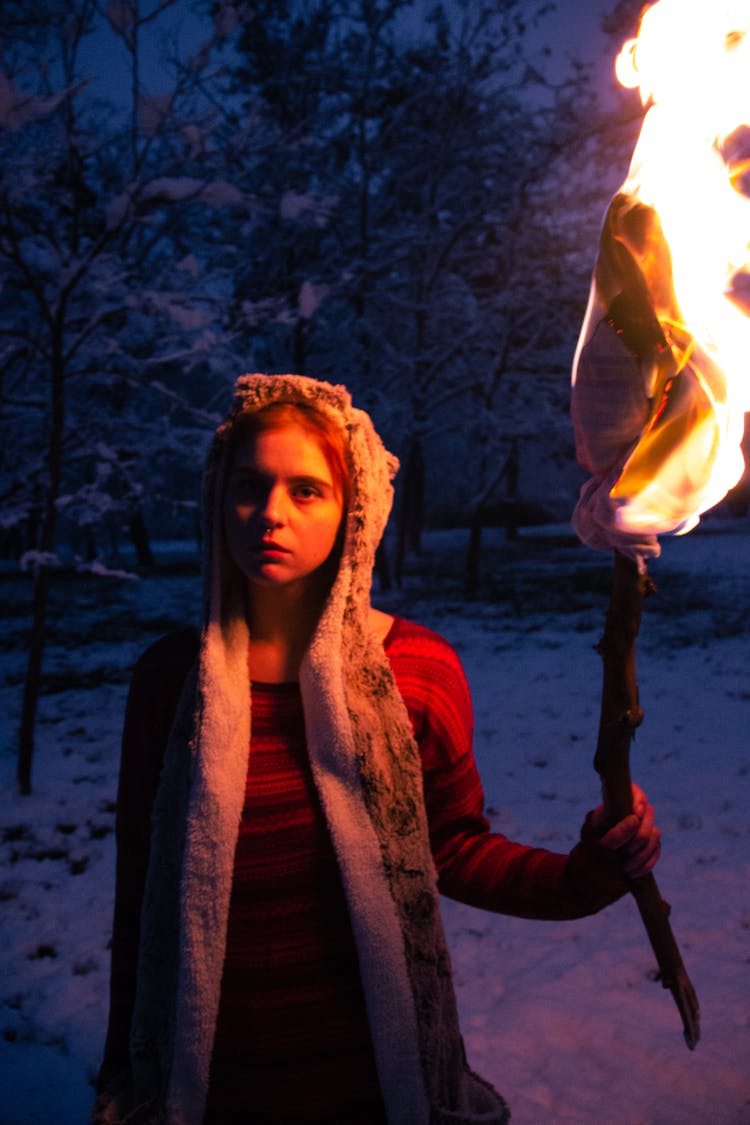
(563, 1017)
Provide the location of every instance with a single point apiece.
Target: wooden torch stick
(620, 715)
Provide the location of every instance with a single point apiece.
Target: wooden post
(620, 715)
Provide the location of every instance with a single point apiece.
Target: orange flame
(672, 280)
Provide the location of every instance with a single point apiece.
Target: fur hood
(367, 772)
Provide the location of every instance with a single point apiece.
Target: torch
(661, 372)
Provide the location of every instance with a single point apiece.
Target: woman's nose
(271, 509)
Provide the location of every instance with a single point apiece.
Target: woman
(290, 964)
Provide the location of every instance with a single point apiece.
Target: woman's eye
(306, 492)
(245, 488)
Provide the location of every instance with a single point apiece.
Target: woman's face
(283, 506)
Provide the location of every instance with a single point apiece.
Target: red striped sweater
(292, 1040)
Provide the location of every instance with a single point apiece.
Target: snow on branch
(98, 569)
(294, 206)
(177, 189)
(194, 413)
(18, 108)
(171, 189)
(34, 561)
(310, 297)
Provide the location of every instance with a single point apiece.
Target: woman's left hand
(635, 837)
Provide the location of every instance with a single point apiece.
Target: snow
(309, 298)
(153, 110)
(294, 206)
(564, 1018)
(18, 107)
(216, 193)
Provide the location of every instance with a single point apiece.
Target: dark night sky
(573, 30)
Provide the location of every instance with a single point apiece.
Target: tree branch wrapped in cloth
(660, 376)
(630, 417)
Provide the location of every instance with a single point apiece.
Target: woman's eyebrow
(308, 478)
(246, 471)
(297, 479)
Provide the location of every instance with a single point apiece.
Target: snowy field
(564, 1018)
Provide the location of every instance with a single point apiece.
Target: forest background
(398, 196)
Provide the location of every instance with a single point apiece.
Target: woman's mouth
(268, 547)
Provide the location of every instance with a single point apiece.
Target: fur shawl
(367, 771)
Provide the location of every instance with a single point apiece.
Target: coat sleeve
(475, 865)
(152, 700)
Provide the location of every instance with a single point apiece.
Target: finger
(642, 838)
(642, 851)
(639, 797)
(645, 860)
(620, 835)
(597, 820)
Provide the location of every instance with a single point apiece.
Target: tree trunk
(382, 567)
(37, 636)
(90, 541)
(140, 540)
(510, 472)
(473, 555)
(32, 527)
(33, 678)
(411, 508)
(299, 347)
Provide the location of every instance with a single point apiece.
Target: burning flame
(673, 275)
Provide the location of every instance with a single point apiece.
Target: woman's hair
(278, 415)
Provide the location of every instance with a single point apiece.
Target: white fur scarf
(367, 771)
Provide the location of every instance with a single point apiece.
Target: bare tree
(103, 322)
